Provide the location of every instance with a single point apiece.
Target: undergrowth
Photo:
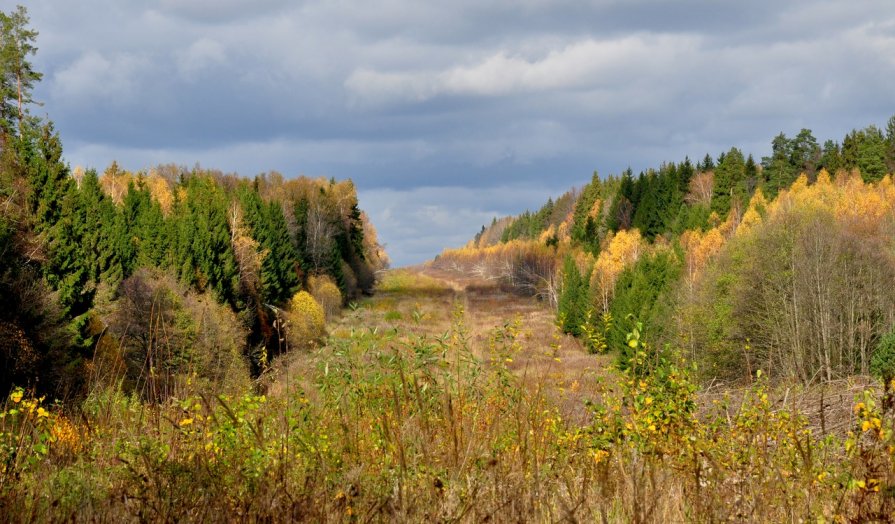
(397, 426)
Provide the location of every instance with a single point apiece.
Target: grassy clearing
(407, 281)
(445, 415)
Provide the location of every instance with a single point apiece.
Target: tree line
(739, 263)
(74, 243)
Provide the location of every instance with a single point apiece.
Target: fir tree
(573, 301)
(729, 182)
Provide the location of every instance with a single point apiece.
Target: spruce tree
(573, 300)
(48, 176)
(831, 157)
(871, 159)
(729, 182)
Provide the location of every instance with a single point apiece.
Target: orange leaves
(595, 209)
(864, 208)
(622, 250)
(547, 234)
(306, 320)
(758, 206)
(374, 252)
(700, 247)
(160, 189)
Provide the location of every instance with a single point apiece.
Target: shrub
(882, 364)
(305, 320)
(326, 293)
(169, 336)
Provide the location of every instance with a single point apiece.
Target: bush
(326, 293)
(305, 321)
(882, 364)
(169, 337)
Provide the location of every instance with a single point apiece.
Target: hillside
(740, 266)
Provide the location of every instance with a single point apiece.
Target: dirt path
(545, 358)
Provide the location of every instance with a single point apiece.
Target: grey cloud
(401, 94)
(416, 224)
(218, 11)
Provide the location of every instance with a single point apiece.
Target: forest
(676, 249)
(705, 341)
(234, 271)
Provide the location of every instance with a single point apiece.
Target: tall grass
(397, 425)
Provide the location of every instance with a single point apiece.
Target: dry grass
(463, 405)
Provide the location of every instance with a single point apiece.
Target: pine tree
(145, 243)
(573, 300)
(729, 182)
(850, 146)
(48, 177)
(805, 153)
(283, 256)
(890, 145)
(779, 173)
(204, 254)
(268, 227)
(831, 157)
(622, 211)
(583, 229)
(17, 75)
(751, 179)
(67, 271)
(685, 174)
(638, 297)
(102, 234)
(872, 154)
(648, 215)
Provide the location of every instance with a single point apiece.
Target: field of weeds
(439, 402)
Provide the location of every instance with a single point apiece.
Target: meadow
(447, 399)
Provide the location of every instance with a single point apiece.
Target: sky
(449, 113)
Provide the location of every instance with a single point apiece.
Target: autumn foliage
(305, 320)
(326, 293)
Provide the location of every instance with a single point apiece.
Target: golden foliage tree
(622, 250)
(306, 320)
(326, 293)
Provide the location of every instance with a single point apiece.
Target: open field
(445, 399)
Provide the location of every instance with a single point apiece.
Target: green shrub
(882, 364)
(166, 336)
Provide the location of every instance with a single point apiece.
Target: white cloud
(95, 78)
(584, 64)
(201, 55)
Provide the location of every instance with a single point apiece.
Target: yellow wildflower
(17, 395)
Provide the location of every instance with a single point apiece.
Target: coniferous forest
(706, 341)
(96, 264)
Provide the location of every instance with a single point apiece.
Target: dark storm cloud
(495, 104)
